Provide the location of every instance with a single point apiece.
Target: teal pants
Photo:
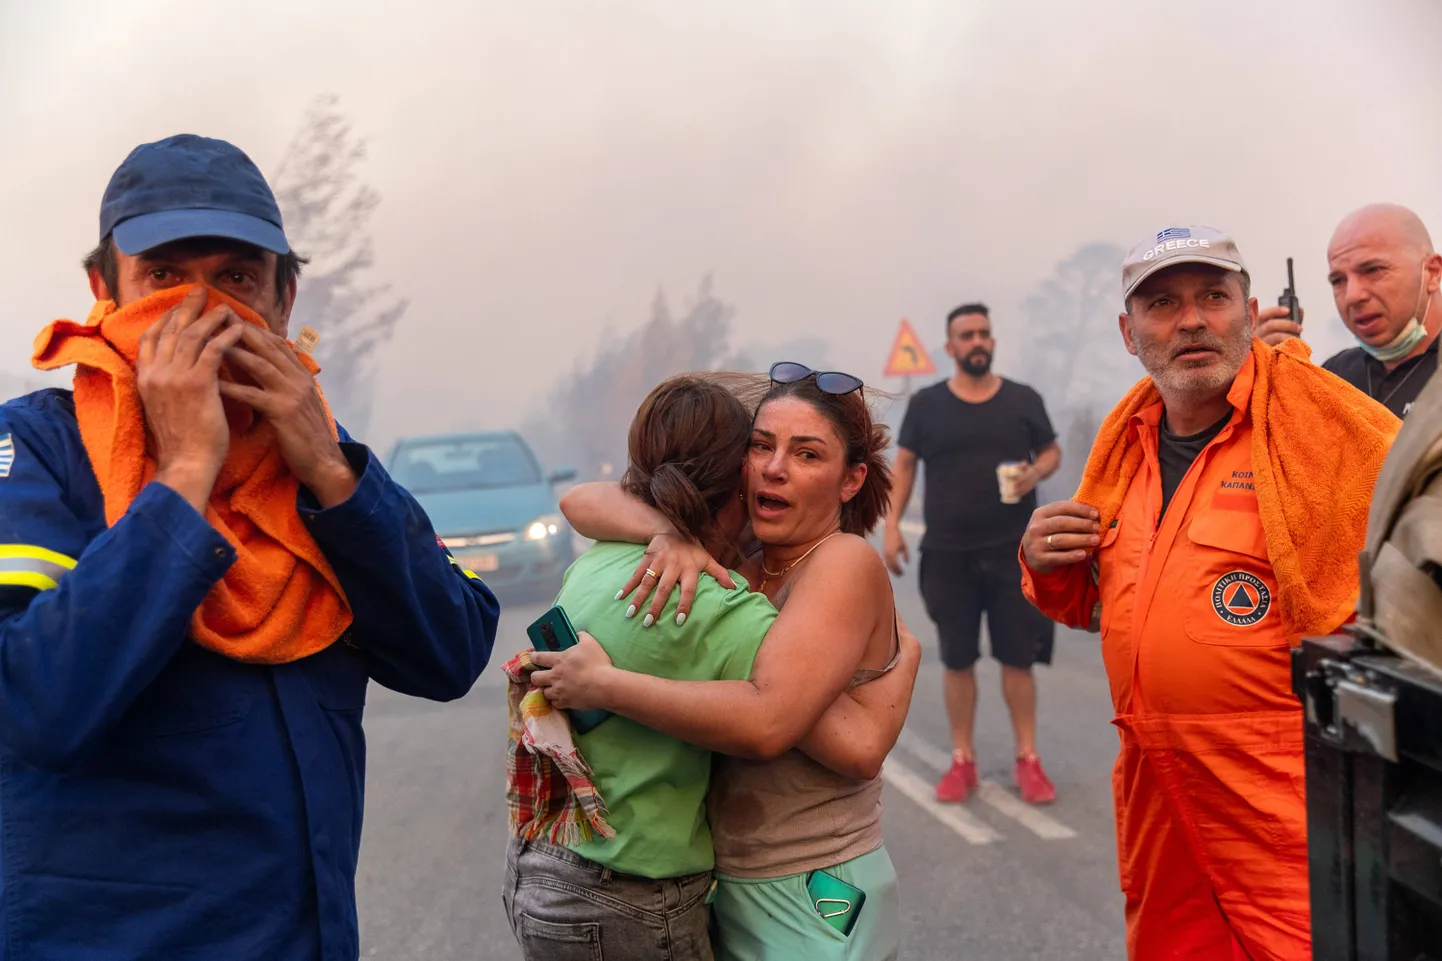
(773, 919)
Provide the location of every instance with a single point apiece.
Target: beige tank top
(790, 814)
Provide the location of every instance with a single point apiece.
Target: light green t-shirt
(655, 786)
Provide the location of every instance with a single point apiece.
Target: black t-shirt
(1396, 389)
(961, 445)
(1177, 454)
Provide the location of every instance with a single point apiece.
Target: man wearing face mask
(1387, 282)
(1217, 523)
(965, 428)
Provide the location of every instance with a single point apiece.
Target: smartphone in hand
(552, 631)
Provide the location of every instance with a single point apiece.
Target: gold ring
(651, 573)
(1048, 541)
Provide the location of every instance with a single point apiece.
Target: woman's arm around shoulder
(602, 511)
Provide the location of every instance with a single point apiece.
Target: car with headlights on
(491, 504)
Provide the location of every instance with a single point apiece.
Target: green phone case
(838, 903)
(552, 631)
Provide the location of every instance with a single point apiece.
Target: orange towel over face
(280, 601)
(1317, 447)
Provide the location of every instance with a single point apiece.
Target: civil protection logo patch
(1241, 599)
(7, 455)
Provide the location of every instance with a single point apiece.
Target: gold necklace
(789, 567)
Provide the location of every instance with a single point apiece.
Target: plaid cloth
(549, 792)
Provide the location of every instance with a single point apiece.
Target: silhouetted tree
(1074, 354)
(589, 412)
(327, 210)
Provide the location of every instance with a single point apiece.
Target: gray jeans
(564, 907)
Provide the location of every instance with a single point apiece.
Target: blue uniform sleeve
(87, 624)
(424, 625)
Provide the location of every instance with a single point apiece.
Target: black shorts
(958, 586)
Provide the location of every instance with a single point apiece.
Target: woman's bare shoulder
(852, 557)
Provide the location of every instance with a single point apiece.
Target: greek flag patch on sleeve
(7, 455)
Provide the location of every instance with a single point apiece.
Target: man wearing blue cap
(199, 574)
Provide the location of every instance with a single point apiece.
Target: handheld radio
(1289, 298)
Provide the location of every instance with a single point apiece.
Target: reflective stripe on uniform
(25, 565)
(457, 565)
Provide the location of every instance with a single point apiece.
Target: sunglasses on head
(827, 381)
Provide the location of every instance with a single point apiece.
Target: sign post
(907, 357)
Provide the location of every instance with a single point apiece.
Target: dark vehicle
(1374, 801)
(1373, 705)
(491, 505)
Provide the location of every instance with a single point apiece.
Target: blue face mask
(1413, 334)
(1402, 345)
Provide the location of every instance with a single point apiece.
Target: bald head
(1391, 224)
(1383, 272)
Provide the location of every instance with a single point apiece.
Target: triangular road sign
(907, 356)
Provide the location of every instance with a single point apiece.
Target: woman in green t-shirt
(796, 833)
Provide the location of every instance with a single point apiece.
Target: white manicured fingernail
(680, 619)
(620, 594)
(647, 621)
(631, 611)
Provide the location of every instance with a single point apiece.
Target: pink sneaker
(958, 782)
(1031, 780)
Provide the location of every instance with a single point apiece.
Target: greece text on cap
(1160, 249)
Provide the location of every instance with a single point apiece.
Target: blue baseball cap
(188, 186)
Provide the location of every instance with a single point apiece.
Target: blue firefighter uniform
(157, 800)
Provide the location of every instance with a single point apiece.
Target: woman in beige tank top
(815, 483)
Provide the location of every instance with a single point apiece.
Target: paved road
(991, 879)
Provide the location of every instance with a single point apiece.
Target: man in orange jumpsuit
(1196, 619)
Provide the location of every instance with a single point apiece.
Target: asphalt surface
(990, 879)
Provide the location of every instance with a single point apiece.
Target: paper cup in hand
(1007, 476)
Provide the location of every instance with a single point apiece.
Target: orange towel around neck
(280, 601)
(1317, 446)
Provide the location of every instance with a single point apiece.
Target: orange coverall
(1209, 785)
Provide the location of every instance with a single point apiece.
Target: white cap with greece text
(1179, 245)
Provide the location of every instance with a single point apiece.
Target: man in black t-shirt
(1387, 282)
(963, 429)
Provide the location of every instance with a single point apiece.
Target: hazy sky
(545, 166)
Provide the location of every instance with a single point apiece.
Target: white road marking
(991, 793)
(924, 750)
(1042, 825)
(966, 825)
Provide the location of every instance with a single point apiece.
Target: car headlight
(547, 525)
